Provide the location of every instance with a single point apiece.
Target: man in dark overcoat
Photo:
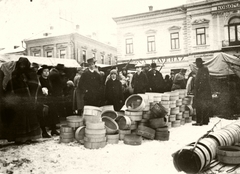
(139, 81)
(90, 83)
(203, 96)
(155, 79)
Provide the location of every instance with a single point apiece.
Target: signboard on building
(226, 6)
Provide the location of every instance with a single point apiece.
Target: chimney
(77, 28)
(150, 8)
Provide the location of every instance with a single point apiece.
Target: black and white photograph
(119, 86)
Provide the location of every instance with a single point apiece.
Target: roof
(69, 63)
(220, 65)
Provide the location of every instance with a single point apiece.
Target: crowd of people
(34, 98)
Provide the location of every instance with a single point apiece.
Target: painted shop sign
(226, 6)
(161, 60)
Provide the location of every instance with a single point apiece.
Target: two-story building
(71, 46)
(175, 37)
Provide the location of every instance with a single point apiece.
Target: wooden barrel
(146, 132)
(188, 120)
(92, 110)
(113, 139)
(95, 126)
(123, 122)
(162, 135)
(158, 110)
(109, 113)
(182, 121)
(187, 101)
(228, 154)
(122, 133)
(79, 134)
(229, 138)
(95, 131)
(107, 107)
(174, 111)
(165, 97)
(176, 123)
(146, 114)
(218, 137)
(179, 102)
(134, 125)
(92, 119)
(66, 134)
(165, 102)
(157, 97)
(179, 116)
(162, 129)
(233, 132)
(110, 125)
(172, 118)
(94, 145)
(211, 145)
(157, 122)
(182, 108)
(134, 116)
(189, 160)
(74, 121)
(95, 140)
(132, 139)
(135, 102)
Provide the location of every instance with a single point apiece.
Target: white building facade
(175, 37)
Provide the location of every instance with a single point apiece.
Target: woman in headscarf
(19, 116)
(113, 91)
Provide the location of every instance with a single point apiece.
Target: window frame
(60, 55)
(202, 35)
(129, 47)
(236, 29)
(151, 45)
(176, 41)
(84, 56)
(49, 51)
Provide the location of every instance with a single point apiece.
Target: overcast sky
(23, 19)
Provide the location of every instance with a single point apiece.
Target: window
(175, 41)
(84, 56)
(129, 46)
(201, 36)
(94, 55)
(102, 59)
(151, 43)
(49, 54)
(63, 54)
(234, 31)
(36, 54)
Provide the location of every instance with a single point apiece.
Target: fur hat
(113, 71)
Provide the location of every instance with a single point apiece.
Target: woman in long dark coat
(19, 114)
(113, 91)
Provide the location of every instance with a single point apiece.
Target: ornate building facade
(72, 46)
(176, 36)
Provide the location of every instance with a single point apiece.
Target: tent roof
(69, 63)
(219, 65)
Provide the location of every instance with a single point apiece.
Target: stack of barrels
(196, 157)
(95, 131)
(67, 132)
(111, 130)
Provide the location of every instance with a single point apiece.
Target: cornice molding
(200, 21)
(151, 31)
(128, 34)
(174, 28)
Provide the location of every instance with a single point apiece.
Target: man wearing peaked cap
(90, 83)
(203, 96)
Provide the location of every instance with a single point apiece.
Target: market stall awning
(220, 65)
(69, 63)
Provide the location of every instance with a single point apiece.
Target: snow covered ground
(152, 157)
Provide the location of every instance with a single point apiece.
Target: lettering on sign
(163, 60)
(227, 6)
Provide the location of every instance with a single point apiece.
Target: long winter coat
(114, 94)
(139, 83)
(89, 84)
(156, 81)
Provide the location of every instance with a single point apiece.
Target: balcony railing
(226, 43)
